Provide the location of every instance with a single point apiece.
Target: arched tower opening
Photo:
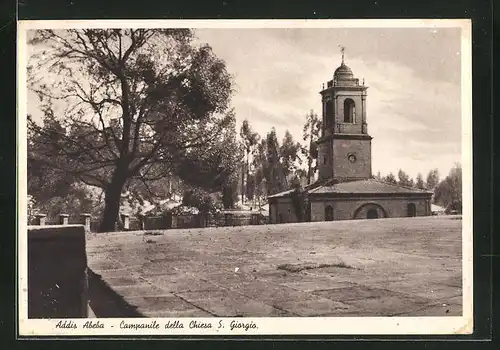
(349, 110)
(329, 114)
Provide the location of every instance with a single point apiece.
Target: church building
(346, 189)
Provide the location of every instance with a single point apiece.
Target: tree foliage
(129, 105)
(432, 179)
(289, 152)
(404, 179)
(448, 193)
(419, 182)
(311, 131)
(250, 139)
(391, 179)
(202, 200)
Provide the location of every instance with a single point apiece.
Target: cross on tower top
(342, 49)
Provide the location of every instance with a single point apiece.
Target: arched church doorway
(411, 210)
(329, 213)
(370, 211)
(372, 214)
(349, 110)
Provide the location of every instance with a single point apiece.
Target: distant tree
(378, 176)
(275, 176)
(201, 200)
(404, 179)
(311, 132)
(251, 186)
(299, 178)
(448, 193)
(261, 169)
(230, 193)
(419, 183)
(390, 179)
(432, 179)
(138, 104)
(300, 203)
(289, 155)
(250, 139)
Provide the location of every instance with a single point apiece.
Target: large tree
(126, 105)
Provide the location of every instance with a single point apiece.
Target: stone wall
(345, 209)
(57, 272)
(342, 167)
(325, 160)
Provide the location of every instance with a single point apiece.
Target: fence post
(254, 218)
(40, 219)
(126, 221)
(86, 221)
(63, 219)
(141, 221)
(228, 219)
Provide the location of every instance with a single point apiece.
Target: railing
(168, 221)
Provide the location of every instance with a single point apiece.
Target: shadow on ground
(105, 302)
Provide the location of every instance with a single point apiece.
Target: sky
(412, 74)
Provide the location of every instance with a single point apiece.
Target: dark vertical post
(63, 219)
(40, 219)
(57, 272)
(126, 221)
(86, 221)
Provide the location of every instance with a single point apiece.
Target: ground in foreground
(386, 267)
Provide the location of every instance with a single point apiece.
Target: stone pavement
(386, 267)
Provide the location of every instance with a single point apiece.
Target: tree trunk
(248, 172)
(242, 183)
(112, 203)
(309, 159)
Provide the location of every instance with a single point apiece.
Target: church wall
(284, 207)
(344, 209)
(324, 170)
(359, 169)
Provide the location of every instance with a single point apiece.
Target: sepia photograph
(245, 177)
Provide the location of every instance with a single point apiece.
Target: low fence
(167, 221)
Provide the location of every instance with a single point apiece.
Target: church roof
(281, 194)
(369, 186)
(359, 187)
(343, 72)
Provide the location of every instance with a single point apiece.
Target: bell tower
(344, 147)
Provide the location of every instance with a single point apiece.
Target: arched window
(372, 214)
(411, 210)
(349, 111)
(329, 113)
(329, 213)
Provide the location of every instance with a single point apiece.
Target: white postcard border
(274, 325)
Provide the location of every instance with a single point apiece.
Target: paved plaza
(384, 267)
